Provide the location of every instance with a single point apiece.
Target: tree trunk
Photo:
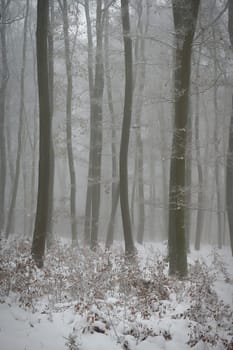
(217, 151)
(188, 182)
(200, 200)
(141, 77)
(41, 223)
(88, 208)
(50, 237)
(185, 16)
(3, 89)
(20, 129)
(229, 170)
(115, 184)
(97, 102)
(124, 200)
(69, 123)
(34, 145)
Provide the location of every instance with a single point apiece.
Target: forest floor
(82, 300)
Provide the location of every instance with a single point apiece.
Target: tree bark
(69, 92)
(185, 17)
(3, 89)
(115, 184)
(20, 129)
(229, 170)
(200, 199)
(41, 223)
(50, 237)
(124, 200)
(88, 208)
(141, 77)
(97, 102)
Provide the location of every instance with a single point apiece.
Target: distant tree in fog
(229, 170)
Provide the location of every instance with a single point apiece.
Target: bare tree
(3, 89)
(20, 129)
(200, 200)
(96, 89)
(229, 170)
(42, 212)
(140, 80)
(63, 6)
(88, 211)
(51, 94)
(124, 200)
(185, 17)
(115, 183)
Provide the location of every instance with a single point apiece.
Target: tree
(88, 211)
(63, 6)
(125, 134)
(3, 90)
(115, 183)
(20, 129)
(229, 164)
(140, 87)
(51, 94)
(96, 90)
(185, 14)
(97, 102)
(200, 200)
(42, 211)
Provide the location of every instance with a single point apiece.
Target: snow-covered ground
(86, 301)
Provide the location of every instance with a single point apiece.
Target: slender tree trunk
(11, 163)
(88, 208)
(200, 199)
(229, 170)
(3, 89)
(161, 119)
(34, 144)
(20, 129)
(97, 123)
(110, 231)
(69, 123)
(51, 88)
(42, 212)
(124, 200)
(216, 147)
(188, 182)
(115, 184)
(141, 76)
(185, 16)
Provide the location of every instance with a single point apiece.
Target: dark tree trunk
(185, 17)
(229, 170)
(41, 223)
(20, 129)
(124, 200)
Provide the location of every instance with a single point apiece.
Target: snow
(194, 313)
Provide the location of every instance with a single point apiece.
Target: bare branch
(213, 22)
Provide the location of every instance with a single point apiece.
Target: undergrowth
(114, 297)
